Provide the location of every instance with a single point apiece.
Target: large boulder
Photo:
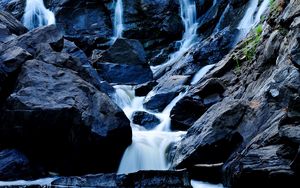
(13, 25)
(124, 63)
(165, 92)
(155, 23)
(138, 179)
(10, 62)
(87, 23)
(15, 166)
(32, 40)
(15, 7)
(213, 137)
(190, 108)
(79, 128)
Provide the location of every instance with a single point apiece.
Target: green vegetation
(251, 44)
(248, 48)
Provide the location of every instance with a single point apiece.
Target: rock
(124, 63)
(165, 92)
(215, 47)
(138, 179)
(79, 64)
(295, 53)
(124, 74)
(5, 34)
(263, 165)
(15, 7)
(290, 12)
(97, 180)
(48, 101)
(125, 51)
(15, 166)
(87, 23)
(186, 112)
(144, 119)
(213, 137)
(11, 61)
(290, 132)
(207, 172)
(32, 40)
(195, 103)
(13, 25)
(155, 23)
(143, 89)
(272, 47)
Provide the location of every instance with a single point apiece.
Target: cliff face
(254, 129)
(242, 118)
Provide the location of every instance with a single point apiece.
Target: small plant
(251, 44)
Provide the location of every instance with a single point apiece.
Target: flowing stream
(36, 14)
(118, 20)
(251, 17)
(188, 15)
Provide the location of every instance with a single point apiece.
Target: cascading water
(37, 15)
(148, 148)
(118, 20)
(251, 17)
(188, 15)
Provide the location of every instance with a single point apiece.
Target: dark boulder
(11, 61)
(13, 25)
(165, 92)
(137, 179)
(124, 63)
(76, 62)
(144, 119)
(5, 34)
(295, 52)
(155, 23)
(144, 89)
(32, 40)
(186, 112)
(263, 165)
(213, 137)
(215, 47)
(190, 108)
(15, 166)
(15, 7)
(87, 23)
(57, 109)
(125, 51)
(124, 73)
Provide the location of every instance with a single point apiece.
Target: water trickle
(188, 15)
(251, 17)
(36, 14)
(201, 73)
(118, 20)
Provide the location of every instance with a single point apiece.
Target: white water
(118, 20)
(251, 17)
(201, 73)
(188, 15)
(148, 148)
(37, 15)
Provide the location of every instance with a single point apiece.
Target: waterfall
(118, 20)
(37, 15)
(148, 148)
(188, 15)
(251, 18)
